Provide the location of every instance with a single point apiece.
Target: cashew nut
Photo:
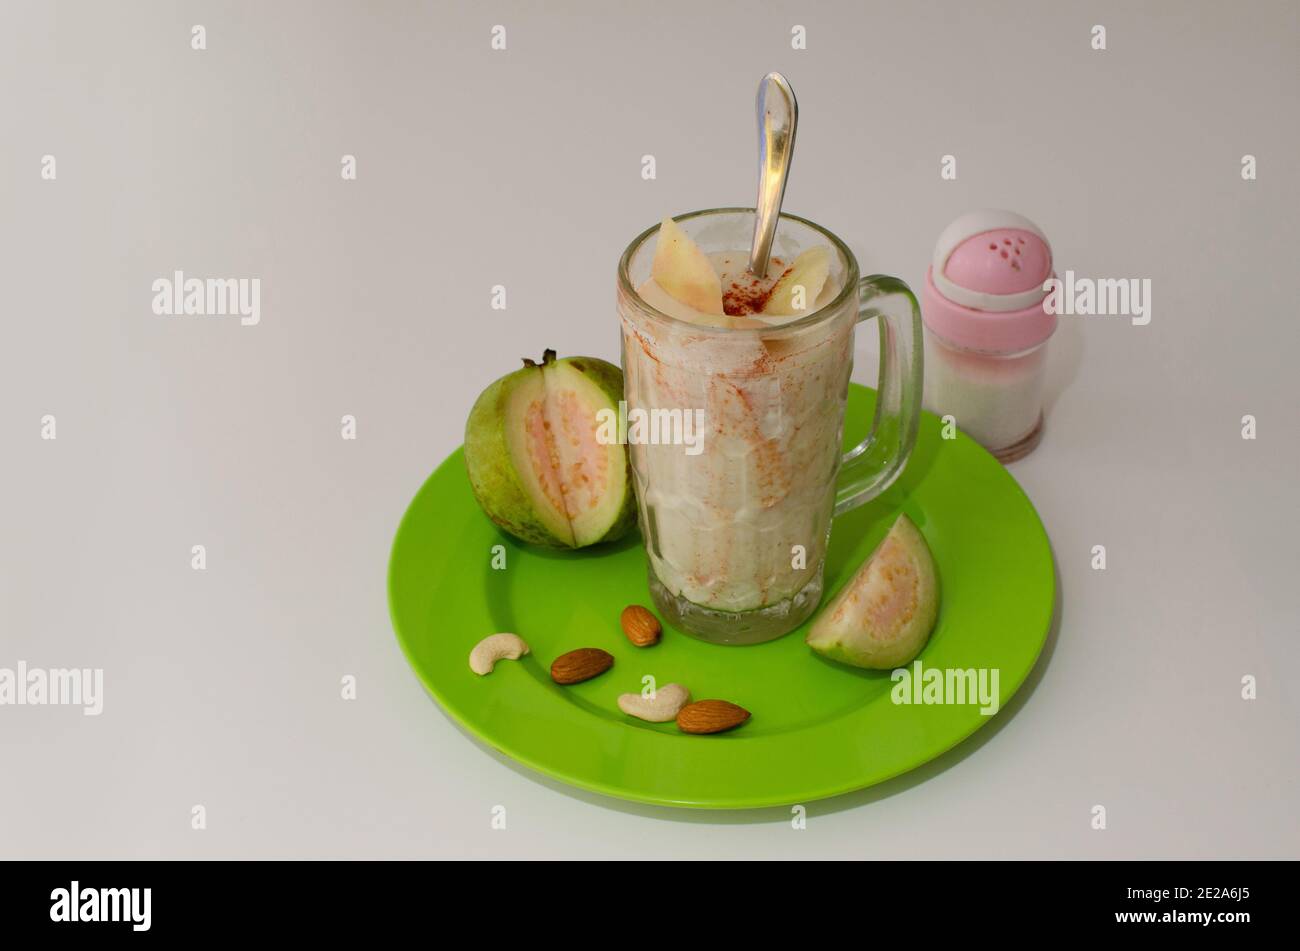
(668, 700)
(492, 649)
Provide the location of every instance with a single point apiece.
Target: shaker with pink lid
(986, 329)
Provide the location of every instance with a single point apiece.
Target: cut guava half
(534, 458)
(884, 615)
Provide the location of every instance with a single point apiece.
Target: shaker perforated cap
(984, 289)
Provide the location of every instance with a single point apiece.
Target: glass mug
(736, 523)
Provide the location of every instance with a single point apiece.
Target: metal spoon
(778, 115)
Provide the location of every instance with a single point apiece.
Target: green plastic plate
(818, 729)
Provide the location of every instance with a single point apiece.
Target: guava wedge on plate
(884, 615)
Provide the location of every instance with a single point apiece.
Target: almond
(710, 716)
(641, 627)
(582, 664)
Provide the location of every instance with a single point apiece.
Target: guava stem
(548, 357)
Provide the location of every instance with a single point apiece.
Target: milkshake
(736, 533)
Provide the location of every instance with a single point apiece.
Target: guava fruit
(809, 271)
(882, 618)
(534, 460)
(684, 271)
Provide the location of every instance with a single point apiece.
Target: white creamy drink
(722, 525)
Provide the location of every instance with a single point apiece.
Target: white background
(523, 168)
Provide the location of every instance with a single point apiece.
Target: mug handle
(872, 465)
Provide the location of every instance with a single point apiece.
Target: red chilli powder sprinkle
(748, 295)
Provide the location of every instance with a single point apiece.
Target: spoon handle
(778, 115)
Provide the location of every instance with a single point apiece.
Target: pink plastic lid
(984, 288)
